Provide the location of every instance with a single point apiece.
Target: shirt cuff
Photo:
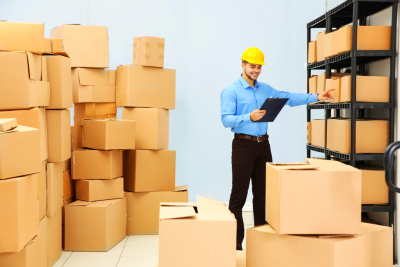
(246, 118)
(314, 98)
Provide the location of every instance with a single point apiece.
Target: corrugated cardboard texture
(149, 170)
(19, 36)
(76, 137)
(96, 164)
(20, 152)
(54, 188)
(94, 226)
(369, 89)
(152, 127)
(42, 232)
(87, 46)
(93, 111)
(109, 134)
(318, 133)
(19, 213)
(30, 256)
(43, 191)
(54, 239)
(59, 135)
(8, 124)
(312, 52)
(145, 87)
(148, 51)
(95, 190)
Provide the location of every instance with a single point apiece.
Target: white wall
(204, 42)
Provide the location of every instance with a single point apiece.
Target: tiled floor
(133, 251)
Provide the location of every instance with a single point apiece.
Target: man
(240, 103)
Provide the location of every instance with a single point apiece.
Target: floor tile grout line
(67, 259)
(127, 237)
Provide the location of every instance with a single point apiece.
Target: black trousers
(249, 160)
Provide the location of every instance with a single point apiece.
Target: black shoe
(239, 247)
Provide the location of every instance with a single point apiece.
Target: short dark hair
(244, 61)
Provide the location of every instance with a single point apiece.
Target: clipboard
(272, 106)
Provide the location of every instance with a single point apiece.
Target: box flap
(103, 203)
(294, 166)
(206, 205)
(34, 66)
(86, 77)
(181, 188)
(8, 124)
(176, 212)
(80, 203)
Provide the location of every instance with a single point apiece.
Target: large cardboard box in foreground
(372, 136)
(21, 36)
(144, 209)
(87, 46)
(93, 111)
(54, 238)
(152, 127)
(95, 190)
(373, 247)
(20, 152)
(94, 226)
(29, 256)
(59, 134)
(369, 89)
(109, 134)
(96, 164)
(18, 212)
(317, 197)
(148, 51)
(203, 238)
(318, 133)
(374, 188)
(145, 87)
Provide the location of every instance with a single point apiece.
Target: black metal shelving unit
(356, 12)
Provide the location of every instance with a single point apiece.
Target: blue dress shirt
(240, 99)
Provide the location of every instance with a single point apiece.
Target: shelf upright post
(353, 84)
(327, 76)
(308, 85)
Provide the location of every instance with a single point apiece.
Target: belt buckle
(258, 139)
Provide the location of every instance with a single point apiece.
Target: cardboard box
(54, 46)
(76, 137)
(94, 190)
(42, 185)
(68, 186)
(93, 85)
(59, 135)
(309, 131)
(59, 76)
(24, 81)
(95, 226)
(8, 124)
(93, 111)
(374, 247)
(54, 188)
(334, 83)
(321, 83)
(240, 258)
(184, 232)
(312, 52)
(339, 135)
(20, 152)
(19, 212)
(144, 209)
(149, 170)
(65, 203)
(148, 51)
(96, 164)
(87, 46)
(312, 84)
(29, 256)
(318, 133)
(328, 45)
(107, 134)
(152, 127)
(54, 239)
(19, 36)
(368, 89)
(332, 205)
(320, 46)
(374, 188)
(145, 87)
(42, 232)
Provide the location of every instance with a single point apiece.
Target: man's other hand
(257, 114)
(325, 95)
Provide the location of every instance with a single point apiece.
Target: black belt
(252, 138)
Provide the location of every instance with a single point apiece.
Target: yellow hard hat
(253, 55)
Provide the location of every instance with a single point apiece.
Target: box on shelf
(148, 51)
(144, 209)
(42, 232)
(333, 83)
(109, 134)
(312, 84)
(309, 131)
(42, 185)
(94, 111)
(321, 81)
(374, 188)
(29, 256)
(312, 52)
(328, 45)
(332, 205)
(318, 133)
(20, 152)
(96, 164)
(94, 226)
(183, 233)
(149, 170)
(93, 85)
(369, 89)
(54, 188)
(339, 135)
(320, 46)
(21, 36)
(87, 46)
(145, 87)
(152, 127)
(54, 238)
(19, 217)
(59, 134)
(95, 190)
(8, 124)
(76, 137)
(24, 81)
(373, 247)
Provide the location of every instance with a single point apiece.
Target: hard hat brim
(253, 62)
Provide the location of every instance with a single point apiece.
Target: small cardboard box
(144, 209)
(76, 137)
(87, 46)
(54, 238)
(20, 36)
(94, 226)
(145, 87)
(374, 188)
(318, 133)
(95, 190)
(317, 197)
(20, 152)
(59, 76)
(312, 52)
(149, 170)
(42, 185)
(320, 46)
(152, 127)
(8, 124)
(29, 256)
(109, 134)
(339, 135)
(374, 247)
(59, 134)
(328, 45)
(42, 232)
(148, 51)
(93, 85)
(312, 84)
(19, 212)
(54, 188)
(93, 111)
(24, 81)
(334, 83)
(185, 232)
(309, 132)
(369, 89)
(96, 164)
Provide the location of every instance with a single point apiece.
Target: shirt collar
(246, 85)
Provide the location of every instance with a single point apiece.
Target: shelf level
(358, 157)
(319, 22)
(358, 105)
(377, 208)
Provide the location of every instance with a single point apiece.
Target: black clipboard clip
(272, 106)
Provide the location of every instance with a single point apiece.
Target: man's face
(252, 71)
